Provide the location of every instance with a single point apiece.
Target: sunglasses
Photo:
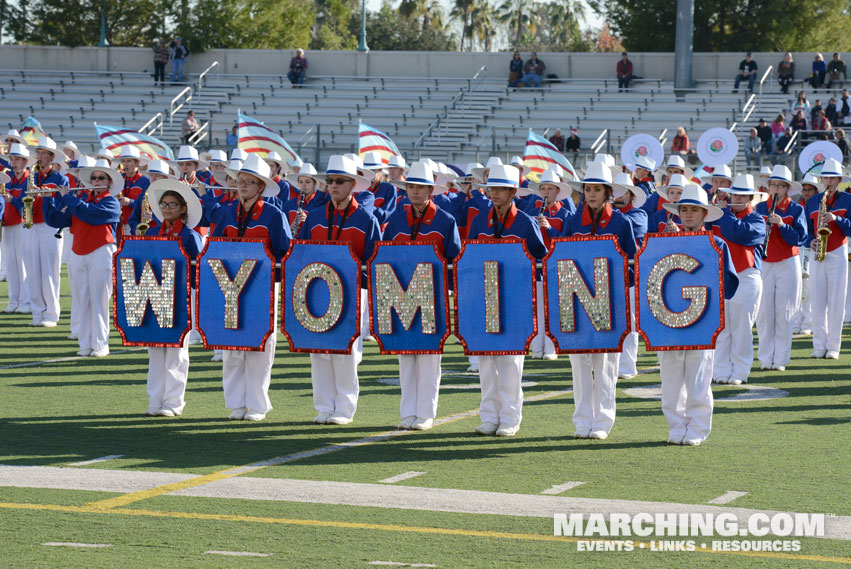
(99, 178)
(169, 205)
(337, 181)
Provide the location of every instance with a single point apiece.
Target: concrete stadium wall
(384, 63)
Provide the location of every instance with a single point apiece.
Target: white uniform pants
(246, 377)
(168, 369)
(629, 355)
(687, 392)
(75, 311)
(781, 295)
(594, 379)
(335, 382)
(42, 260)
(67, 243)
(541, 344)
(92, 292)
(734, 346)
(848, 300)
(419, 378)
(827, 291)
(502, 396)
(13, 262)
(364, 314)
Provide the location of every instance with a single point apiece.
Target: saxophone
(823, 230)
(29, 200)
(147, 216)
(2, 196)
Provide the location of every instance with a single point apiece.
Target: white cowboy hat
(276, 158)
(421, 173)
(307, 170)
(812, 180)
(85, 174)
(478, 173)
(84, 161)
(193, 203)
(218, 156)
(695, 195)
(397, 162)
(676, 181)
(70, 145)
(597, 173)
(47, 143)
(342, 165)
(467, 176)
(238, 154)
(644, 162)
(162, 167)
(782, 174)
(221, 177)
(550, 176)
(373, 161)
(13, 133)
(520, 164)
(501, 176)
(189, 154)
(105, 154)
(258, 168)
(358, 162)
(832, 168)
(624, 181)
(133, 153)
(722, 171)
(21, 150)
(744, 185)
(675, 161)
(444, 175)
(765, 172)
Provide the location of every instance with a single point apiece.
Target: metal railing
(315, 131)
(748, 108)
(761, 81)
(472, 83)
(200, 134)
(156, 122)
(173, 107)
(597, 145)
(204, 74)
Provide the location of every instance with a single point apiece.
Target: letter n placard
(409, 298)
(680, 281)
(151, 291)
(320, 296)
(235, 302)
(586, 287)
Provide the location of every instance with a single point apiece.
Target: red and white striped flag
(114, 137)
(32, 132)
(256, 137)
(373, 140)
(540, 154)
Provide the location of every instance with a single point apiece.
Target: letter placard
(586, 288)
(320, 296)
(681, 284)
(495, 297)
(236, 293)
(151, 291)
(409, 298)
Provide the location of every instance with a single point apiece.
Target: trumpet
(768, 229)
(147, 216)
(823, 230)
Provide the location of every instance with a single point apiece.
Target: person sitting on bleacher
(747, 72)
(821, 122)
(819, 71)
(624, 70)
(298, 68)
(843, 108)
(515, 70)
(533, 71)
(780, 155)
(799, 122)
(835, 71)
(786, 72)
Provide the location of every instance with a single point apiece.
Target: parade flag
(254, 136)
(540, 154)
(373, 140)
(31, 131)
(113, 138)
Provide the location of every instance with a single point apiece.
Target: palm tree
(483, 20)
(564, 17)
(515, 14)
(461, 10)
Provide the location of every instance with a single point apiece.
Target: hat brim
(293, 178)
(193, 204)
(687, 172)
(757, 195)
(202, 165)
(367, 174)
(639, 198)
(85, 175)
(8, 158)
(564, 189)
(842, 179)
(579, 187)
(221, 178)
(524, 170)
(817, 185)
(143, 160)
(713, 212)
(496, 185)
(271, 188)
(437, 189)
(361, 183)
(20, 139)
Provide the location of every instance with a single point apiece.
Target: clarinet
(296, 224)
(768, 230)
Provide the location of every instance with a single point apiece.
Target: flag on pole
(373, 140)
(540, 154)
(113, 138)
(31, 131)
(254, 136)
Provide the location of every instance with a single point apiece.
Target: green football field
(201, 491)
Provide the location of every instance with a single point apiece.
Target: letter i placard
(680, 281)
(235, 300)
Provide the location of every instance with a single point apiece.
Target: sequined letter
(231, 289)
(148, 289)
(598, 306)
(697, 295)
(492, 324)
(318, 324)
(391, 296)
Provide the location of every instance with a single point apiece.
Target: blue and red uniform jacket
(385, 201)
(265, 222)
(637, 217)
(15, 189)
(352, 225)
(744, 233)
(468, 208)
(840, 206)
(786, 238)
(205, 176)
(514, 224)
(134, 188)
(659, 220)
(366, 200)
(190, 239)
(433, 226)
(653, 204)
(287, 190)
(51, 179)
(646, 184)
(731, 279)
(316, 199)
(557, 215)
(610, 222)
(92, 218)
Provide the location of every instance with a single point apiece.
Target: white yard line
(75, 544)
(400, 477)
(238, 553)
(95, 460)
(398, 564)
(96, 479)
(68, 359)
(559, 488)
(727, 497)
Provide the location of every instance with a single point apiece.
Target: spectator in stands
(747, 72)
(830, 111)
(779, 156)
(778, 126)
(680, 144)
(843, 108)
(842, 143)
(533, 71)
(814, 111)
(765, 135)
(558, 140)
(232, 139)
(298, 68)
(189, 128)
(179, 53)
(801, 104)
(753, 148)
(624, 70)
(786, 72)
(573, 144)
(161, 56)
(835, 71)
(819, 70)
(515, 70)
(799, 122)
(821, 122)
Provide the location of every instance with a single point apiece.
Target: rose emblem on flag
(641, 151)
(716, 146)
(818, 158)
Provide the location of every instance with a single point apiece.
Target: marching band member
(829, 275)
(396, 170)
(474, 200)
(308, 198)
(135, 184)
(687, 374)
(500, 376)
(550, 213)
(669, 193)
(218, 162)
(421, 220)
(278, 169)
(675, 165)
(42, 250)
(74, 181)
(105, 154)
(71, 152)
(157, 170)
(246, 375)
(168, 368)
(744, 232)
(12, 244)
(629, 204)
(720, 179)
(343, 220)
(12, 137)
(385, 193)
(595, 375)
(642, 175)
(92, 216)
(781, 270)
(810, 186)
